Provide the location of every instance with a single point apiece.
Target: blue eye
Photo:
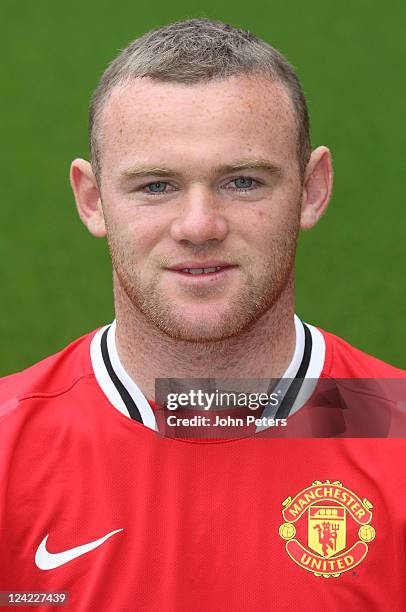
(243, 182)
(158, 187)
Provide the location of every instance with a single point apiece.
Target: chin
(197, 328)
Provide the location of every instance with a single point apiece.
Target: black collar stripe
(294, 388)
(125, 396)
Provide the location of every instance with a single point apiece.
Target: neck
(263, 351)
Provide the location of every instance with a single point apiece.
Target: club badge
(327, 528)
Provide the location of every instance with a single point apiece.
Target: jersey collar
(125, 395)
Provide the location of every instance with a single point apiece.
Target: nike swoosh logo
(46, 560)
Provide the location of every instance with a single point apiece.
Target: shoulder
(51, 376)
(342, 360)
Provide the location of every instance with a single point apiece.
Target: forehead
(145, 119)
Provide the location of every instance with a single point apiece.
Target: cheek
(270, 232)
(256, 223)
(260, 225)
(133, 233)
(278, 214)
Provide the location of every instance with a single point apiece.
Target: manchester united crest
(327, 528)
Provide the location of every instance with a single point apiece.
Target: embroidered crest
(327, 528)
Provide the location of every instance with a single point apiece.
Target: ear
(318, 183)
(87, 196)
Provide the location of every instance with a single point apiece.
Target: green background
(350, 56)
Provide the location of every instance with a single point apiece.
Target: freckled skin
(194, 129)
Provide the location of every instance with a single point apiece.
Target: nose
(200, 218)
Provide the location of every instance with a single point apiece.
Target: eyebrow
(248, 164)
(147, 171)
(252, 164)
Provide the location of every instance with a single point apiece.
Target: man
(201, 178)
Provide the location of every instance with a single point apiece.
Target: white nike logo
(46, 560)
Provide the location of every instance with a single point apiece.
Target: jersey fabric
(96, 503)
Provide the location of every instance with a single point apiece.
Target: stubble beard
(258, 295)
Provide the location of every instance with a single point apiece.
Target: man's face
(201, 195)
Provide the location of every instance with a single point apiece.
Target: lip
(212, 263)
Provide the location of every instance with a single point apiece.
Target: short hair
(194, 51)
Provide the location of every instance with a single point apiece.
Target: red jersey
(96, 503)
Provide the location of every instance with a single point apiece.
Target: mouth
(200, 271)
(208, 271)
